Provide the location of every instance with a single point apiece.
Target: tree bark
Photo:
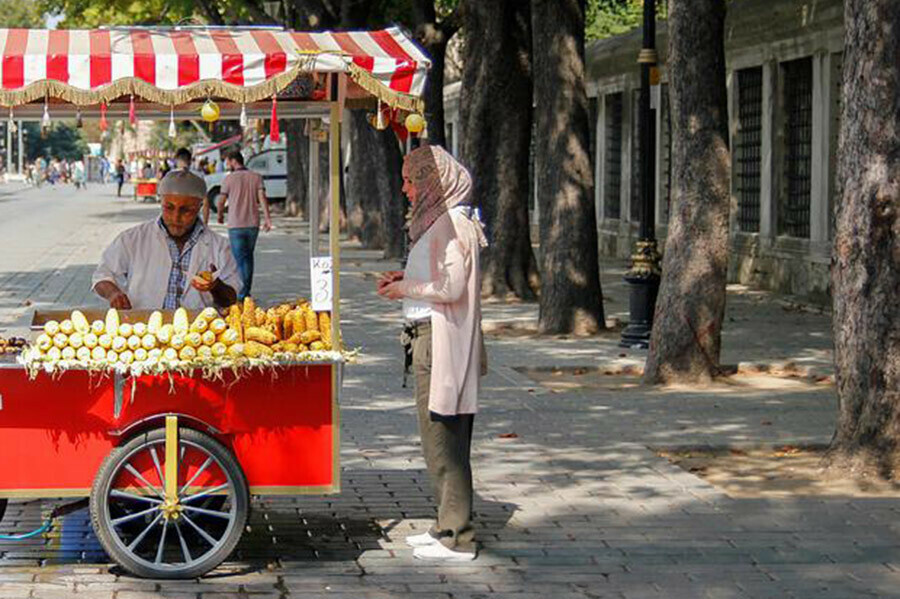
(687, 327)
(865, 271)
(298, 169)
(374, 186)
(571, 300)
(495, 111)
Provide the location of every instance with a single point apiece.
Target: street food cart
(169, 457)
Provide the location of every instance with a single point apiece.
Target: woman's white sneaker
(423, 540)
(439, 551)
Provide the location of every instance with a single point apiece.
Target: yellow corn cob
(68, 353)
(177, 341)
(119, 344)
(140, 355)
(218, 326)
(112, 356)
(236, 350)
(148, 341)
(259, 317)
(105, 341)
(66, 327)
(126, 357)
(209, 338)
(170, 354)
(317, 346)
(98, 327)
(54, 354)
(180, 321)
(292, 348)
(187, 353)
(209, 314)
(278, 347)
(80, 322)
(76, 340)
(234, 310)
(83, 354)
(154, 354)
(155, 322)
(60, 340)
(199, 325)
(134, 342)
(51, 327)
(219, 350)
(112, 321)
(90, 341)
(125, 330)
(230, 337)
(204, 352)
(164, 334)
(248, 314)
(260, 335)
(98, 354)
(312, 321)
(194, 340)
(43, 342)
(325, 326)
(253, 349)
(299, 321)
(139, 329)
(308, 337)
(287, 324)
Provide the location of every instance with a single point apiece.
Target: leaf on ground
(508, 435)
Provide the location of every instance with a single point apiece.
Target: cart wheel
(3, 504)
(152, 538)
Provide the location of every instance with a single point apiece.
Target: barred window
(837, 72)
(666, 154)
(635, 156)
(748, 146)
(592, 133)
(612, 169)
(793, 213)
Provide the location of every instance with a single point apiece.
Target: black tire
(3, 504)
(103, 511)
(211, 196)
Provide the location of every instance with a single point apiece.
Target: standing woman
(440, 289)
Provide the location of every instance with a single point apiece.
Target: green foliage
(606, 18)
(63, 140)
(19, 13)
(186, 135)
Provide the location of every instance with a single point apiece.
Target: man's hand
(389, 277)
(120, 301)
(205, 281)
(220, 218)
(391, 291)
(267, 226)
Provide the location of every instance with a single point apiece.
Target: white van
(271, 164)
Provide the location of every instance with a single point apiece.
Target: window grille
(837, 73)
(748, 148)
(612, 176)
(793, 213)
(666, 154)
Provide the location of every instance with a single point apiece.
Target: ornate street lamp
(643, 276)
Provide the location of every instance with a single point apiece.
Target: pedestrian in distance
(244, 193)
(441, 293)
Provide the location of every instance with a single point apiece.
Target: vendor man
(156, 265)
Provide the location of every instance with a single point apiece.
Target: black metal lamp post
(643, 276)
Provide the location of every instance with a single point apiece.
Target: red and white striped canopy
(175, 65)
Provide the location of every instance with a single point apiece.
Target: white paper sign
(320, 283)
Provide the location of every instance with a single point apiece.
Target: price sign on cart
(320, 273)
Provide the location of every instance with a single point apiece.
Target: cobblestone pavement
(571, 500)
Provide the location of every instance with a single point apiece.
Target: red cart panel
(281, 424)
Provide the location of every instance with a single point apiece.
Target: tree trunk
(865, 271)
(687, 326)
(298, 169)
(374, 185)
(495, 107)
(571, 301)
(434, 93)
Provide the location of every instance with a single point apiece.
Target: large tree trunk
(865, 270)
(495, 107)
(374, 186)
(571, 301)
(687, 326)
(298, 169)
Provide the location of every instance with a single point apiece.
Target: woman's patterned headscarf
(441, 183)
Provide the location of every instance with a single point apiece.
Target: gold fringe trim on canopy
(151, 93)
(368, 82)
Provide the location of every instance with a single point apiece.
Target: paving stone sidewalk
(572, 502)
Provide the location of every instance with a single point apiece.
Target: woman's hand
(389, 277)
(391, 291)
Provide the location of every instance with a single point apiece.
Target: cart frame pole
(334, 232)
(171, 458)
(313, 186)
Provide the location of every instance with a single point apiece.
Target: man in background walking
(244, 193)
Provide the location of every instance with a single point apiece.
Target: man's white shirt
(138, 262)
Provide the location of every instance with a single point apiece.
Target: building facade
(783, 76)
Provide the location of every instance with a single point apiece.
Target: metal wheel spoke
(159, 473)
(141, 478)
(134, 516)
(162, 543)
(143, 534)
(184, 548)
(204, 493)
(200, 510)
(196, 474)
(200, 531)
(132, 496)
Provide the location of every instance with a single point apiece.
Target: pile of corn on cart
(169, 450)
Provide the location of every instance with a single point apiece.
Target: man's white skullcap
(182, 182)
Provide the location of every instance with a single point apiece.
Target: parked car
(271, 164)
